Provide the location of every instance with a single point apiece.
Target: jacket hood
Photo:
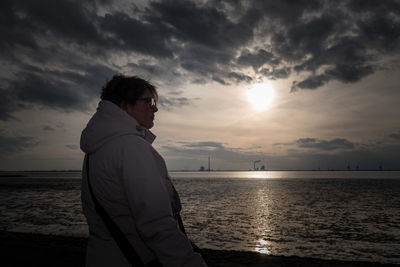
(109, 122)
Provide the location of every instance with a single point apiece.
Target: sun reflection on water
(262, 247)
(258, 175)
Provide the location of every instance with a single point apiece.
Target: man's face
(143, 111)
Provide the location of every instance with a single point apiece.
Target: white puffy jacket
(130, 180)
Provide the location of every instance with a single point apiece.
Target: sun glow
(260, 95)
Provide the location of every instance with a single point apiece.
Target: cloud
(72, 147)
(47, 128)
(12, 144)
(14, 30)
(366, 158)
(44, 91)
(203, 25)
(278, 73)
(239, 77)
(60, 53)
(310, 83)
(7, 105)
(395, 136)
(205, 144)
(68, 20)
(338, 143)
(195, 154)
(133, 34)
(319, 144)
(301, 154)
(173, 102)
(360, 32)
(66, 90)
(349, 73)
(337, 153)
(258, 59)
(204, 61)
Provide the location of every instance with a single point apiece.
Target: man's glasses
(150, 101)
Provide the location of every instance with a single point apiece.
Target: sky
(295, 85)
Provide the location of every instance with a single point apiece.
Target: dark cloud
(339, 39)
(395, 136)
(304, 38)
(65, 90)
(199, 81)
(133, 34)
(203, 25)
(12, 144)
(13, 30)
(166, 74)
(68, 20)
(338, 143)
(239, 77)
(320, 145)
(169, 103)
(349, 73)
(47, 128)
(43, 91)
(287, 12)
(87, 79)
(279, 73)
(258, 59)
(219, 79)
(7, 105)
(378, 23)
(310, 83)
(205, 144)
(60, 53)
(72, 147)
(204, 61)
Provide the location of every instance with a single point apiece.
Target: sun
(260, 95)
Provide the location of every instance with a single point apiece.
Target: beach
(30, 249)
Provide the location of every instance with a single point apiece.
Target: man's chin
(150, 125)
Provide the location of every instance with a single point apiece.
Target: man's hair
(126, 89)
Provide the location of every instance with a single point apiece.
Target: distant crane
(348, 166)
(254, 163)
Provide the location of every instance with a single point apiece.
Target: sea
(341, 215)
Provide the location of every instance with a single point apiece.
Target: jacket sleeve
(150, 205)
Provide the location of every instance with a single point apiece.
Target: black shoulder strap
(119, 237)
(180, 222)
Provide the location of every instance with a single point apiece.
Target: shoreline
(31, 249)
(217, 170)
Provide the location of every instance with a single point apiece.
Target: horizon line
(221, 170)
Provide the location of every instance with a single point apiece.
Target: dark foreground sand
(22, 249)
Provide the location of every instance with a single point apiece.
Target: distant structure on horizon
(262, 168)
(380, 166)
(202, 168)
(358, 168)
(348, 166)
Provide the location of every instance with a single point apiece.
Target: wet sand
(26, 249)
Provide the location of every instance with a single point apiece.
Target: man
(129, 179)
